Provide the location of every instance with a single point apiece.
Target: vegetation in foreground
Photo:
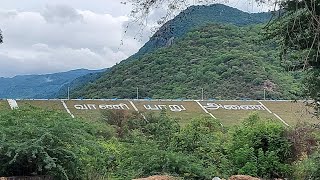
(122, 146)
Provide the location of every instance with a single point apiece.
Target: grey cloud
(79, 34)
(43, 59)
(61, 14)
(113, 7)
(8, 14)
(33, 45)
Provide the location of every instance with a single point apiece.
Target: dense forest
(227, 61)
(127, 146)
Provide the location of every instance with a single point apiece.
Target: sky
(48, 36)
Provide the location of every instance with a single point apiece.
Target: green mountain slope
(196, 16)
(228, 62)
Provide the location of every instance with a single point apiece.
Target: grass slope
(290, 112)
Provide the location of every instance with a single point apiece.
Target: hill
(197, 16)
(170, 32)
(227, 61)
(38, 86)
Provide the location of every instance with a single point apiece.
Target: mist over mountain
(38, 86)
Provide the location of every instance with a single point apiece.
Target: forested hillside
(196, 16)
(228, 62)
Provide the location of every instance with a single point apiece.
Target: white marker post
(202, 94)
(13, 104)
(68, 93)
(137, 93)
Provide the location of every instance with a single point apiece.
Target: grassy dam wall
(228, 112)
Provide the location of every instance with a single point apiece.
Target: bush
(308, 168)
(40, 142)
(261, 149)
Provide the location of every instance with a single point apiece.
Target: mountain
(38, 86)
(226, 61)
(196, 16)
(192, 17)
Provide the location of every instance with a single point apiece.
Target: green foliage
(39, 142)
(296, 28)
(312, 85)
(228, 62)
(160, 146)
(308, 168)
(203, 138)
(260, 148)
(144, 157)
(157, 128)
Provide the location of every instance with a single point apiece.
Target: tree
(297, 29)
(41, 142)
(260, 148)
(153, 146)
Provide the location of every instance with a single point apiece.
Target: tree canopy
(297, 29)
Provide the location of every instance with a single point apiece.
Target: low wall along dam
(228, 112)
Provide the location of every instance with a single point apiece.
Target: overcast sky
(46, 36)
